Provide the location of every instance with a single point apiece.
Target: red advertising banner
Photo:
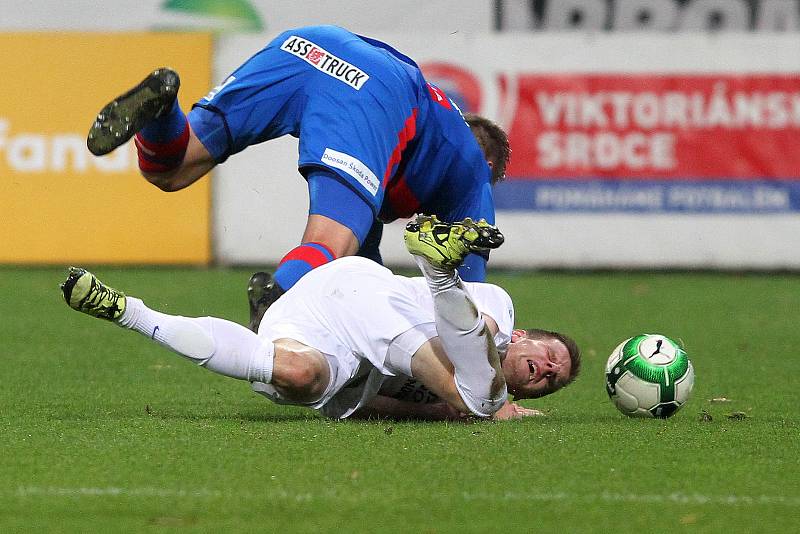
(673, 127)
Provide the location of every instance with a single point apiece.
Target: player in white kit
(343, 338)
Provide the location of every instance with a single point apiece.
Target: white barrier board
(732, 226)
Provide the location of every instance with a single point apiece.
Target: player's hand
(512, 410)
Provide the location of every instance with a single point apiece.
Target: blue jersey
(362, 111)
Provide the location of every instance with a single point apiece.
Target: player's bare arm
(388, 407)
(301, 374)
(432, 366)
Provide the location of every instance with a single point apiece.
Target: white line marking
(671, 498)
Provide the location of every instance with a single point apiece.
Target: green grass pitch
(103, 431)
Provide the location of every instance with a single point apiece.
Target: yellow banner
(60, 204)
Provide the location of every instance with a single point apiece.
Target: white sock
(452, 304)
(219, 345)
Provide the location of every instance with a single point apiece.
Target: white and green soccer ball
(649, 375)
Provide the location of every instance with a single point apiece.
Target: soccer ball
(649, 375)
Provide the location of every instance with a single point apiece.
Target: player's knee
(163, 181)
(304, 374)
(306, 378)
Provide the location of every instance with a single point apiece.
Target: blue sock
(299, 261)
(166, 128)
(162, 143)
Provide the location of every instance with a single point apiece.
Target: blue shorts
(353, 106)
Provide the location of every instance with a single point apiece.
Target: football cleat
(127, 114)
(446, 244)
(262, 291)
(85, 293)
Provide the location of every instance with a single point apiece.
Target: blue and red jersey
(364, 114)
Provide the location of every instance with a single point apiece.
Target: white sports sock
(219, 345)
(451, 302)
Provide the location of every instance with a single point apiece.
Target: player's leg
(339, 220)
(170, 154)
(218, 345)
(446, 244)
(347, 150)
(153, 99)
(321, 238)
(370, 247)
(196, 163)
(438, 248)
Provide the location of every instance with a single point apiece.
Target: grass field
(102, 431)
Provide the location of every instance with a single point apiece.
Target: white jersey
(351, 310)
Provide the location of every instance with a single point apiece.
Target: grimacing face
(535, 367)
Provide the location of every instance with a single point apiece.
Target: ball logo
(649, 375)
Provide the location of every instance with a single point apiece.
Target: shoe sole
(127, 114)
(69, 284)
(489, 237)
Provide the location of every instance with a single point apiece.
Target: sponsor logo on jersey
(354, 167)
(324, 61)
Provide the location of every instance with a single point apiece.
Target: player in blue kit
(376, 143)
